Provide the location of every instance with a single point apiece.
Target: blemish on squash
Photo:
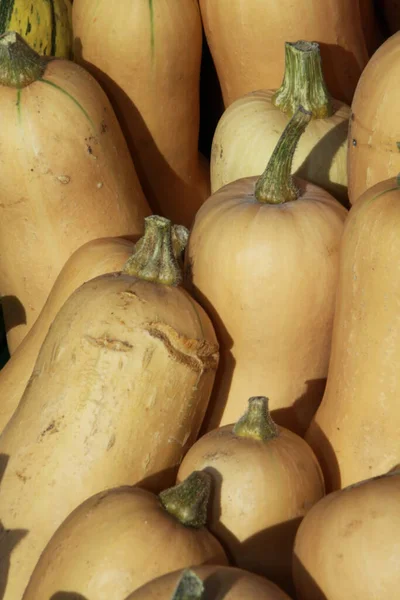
(51, 428)
(103, 127)
(111, 442)
(64, 179)
(21, 476)
(148, 355)
(398, 146)
(152, 36)
(109, 344)
(99, 185)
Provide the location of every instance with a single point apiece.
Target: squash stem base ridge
(257, 422)
(188, 501)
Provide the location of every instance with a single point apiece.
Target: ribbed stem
(276, 184)
(20, 65)
(188, 501)
(180, 237)
(190, 587)
(303, 81)
(153, 258)
(257, 422)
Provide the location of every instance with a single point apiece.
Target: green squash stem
(276, 184)
(188, 501)
(20, 65)
(257, 422)
(303, 82)
(190, 587)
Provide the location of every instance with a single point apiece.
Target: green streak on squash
(19, 93)
(74, 100)
(6, 10)
(152, 39)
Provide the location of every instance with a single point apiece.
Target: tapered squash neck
(257, 422)
(188, 501)
(303, 82)
(157, 254)
(20, 65)
(190, 587)
(276, 184)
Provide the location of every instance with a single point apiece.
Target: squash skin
(246, 41)
(353, 532)
(45, 24)
(117, 395)
(221, 583)
(62, 186)
(103, 549)
(373, 152)
(151, 73)
(355, 430)
(249, 130)
(94, 258)
(276, 334)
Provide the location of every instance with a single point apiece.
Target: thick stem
(188, 501)
(303, 82)
(257, 422)
(153, 258)
(20, 65)
(190, 587)
(276, 184)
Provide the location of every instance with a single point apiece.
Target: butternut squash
(374, 138)
(246, 41)
(117, 396)
(67, 176)
(262, 259)
(249, 130)
(147, 56)
(355, 430)
(102, 549)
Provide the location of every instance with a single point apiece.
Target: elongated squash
(67, 176)
(116, 397)
(45, 24)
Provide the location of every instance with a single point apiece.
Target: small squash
(374, 137)
(355, 430)
(209, 582)
(104, 547)
(249, 130)
(262, 259)
(265, 479)
(147, 56)
(117, 396)
(67, 176)
(347, 546)
(246, 40)
(45, 24)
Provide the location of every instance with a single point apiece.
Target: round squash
(67, 176)
(262, 259)
(117, 396)
(355, 431)
(105, 546)
(250, 128)
(147, 56)
(347, 545)
(45, 24)
(265, 479)
(374, 139)
(209, 582)
(246, 41)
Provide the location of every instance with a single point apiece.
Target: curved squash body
(355, 533)
(45, 24)
(220, 583)
(67, 178)
(356, 428)
(373, 143)
(246, 40)
(267, 275)
(116, 397)
(94, 258)
(249, 130)
(102, 549)
(150, 70)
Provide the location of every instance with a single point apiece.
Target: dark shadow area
(159, 481)
(9, 540)
(306, 583)
(4, 458)
(217, 586)
(326, 456)
(13, 312)
(297, 418)
(341, 71)
(67, 596)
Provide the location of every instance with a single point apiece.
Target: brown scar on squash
(109, 343)
(198, 355)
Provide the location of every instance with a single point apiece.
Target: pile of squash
(201, 341)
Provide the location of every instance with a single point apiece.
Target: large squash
(262, 258)
(45, 24)
(147, 57)
(356, 429)
(67, 176)
(116, 397)
(246, 41)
